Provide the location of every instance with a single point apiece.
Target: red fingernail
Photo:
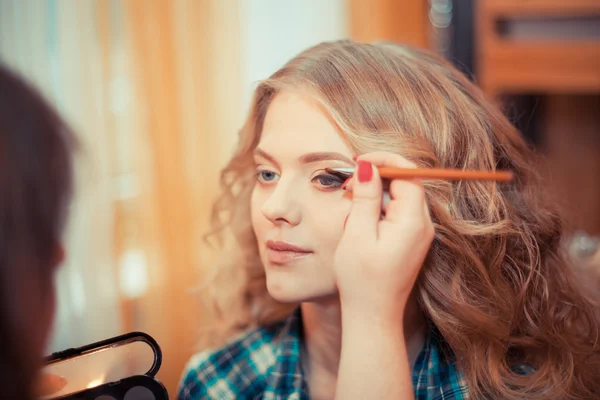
(365, 171)
(354, 157)
(345, 183)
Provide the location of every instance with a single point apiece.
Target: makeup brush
(430, 173)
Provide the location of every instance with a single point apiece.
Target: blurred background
(157, 89)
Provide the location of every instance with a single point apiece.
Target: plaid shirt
(265, 364)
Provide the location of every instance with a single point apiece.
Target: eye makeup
(325, 180)
(346, 173)
(328, 181)
(133, 388)
(139, 393)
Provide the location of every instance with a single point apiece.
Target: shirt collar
(433, 374)
(286, 379)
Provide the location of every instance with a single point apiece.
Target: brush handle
(443, 173)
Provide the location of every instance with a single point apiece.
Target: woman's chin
(287, 295)
(292, 292)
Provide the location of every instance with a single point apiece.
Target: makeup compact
(120, 368)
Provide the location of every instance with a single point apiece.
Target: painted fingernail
(354, 157)
(365, 171)
(345, 184)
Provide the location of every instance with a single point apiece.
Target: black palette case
(120, 368)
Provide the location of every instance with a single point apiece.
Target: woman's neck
(322, 325)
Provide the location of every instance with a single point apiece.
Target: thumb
(366, 202)
(48, 384)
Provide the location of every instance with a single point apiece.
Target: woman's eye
(328, 181)
(265, 176)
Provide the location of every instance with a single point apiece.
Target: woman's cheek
(332, 217)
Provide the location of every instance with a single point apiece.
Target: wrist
(373, 307)
(365, 319)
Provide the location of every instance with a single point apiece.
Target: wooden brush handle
(442, 173)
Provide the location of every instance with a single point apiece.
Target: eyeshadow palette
(120, 368)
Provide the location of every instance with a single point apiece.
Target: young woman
(35, 189)
(457, 290)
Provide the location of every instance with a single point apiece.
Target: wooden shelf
(521, 65)
(547, 8)
(553, 67)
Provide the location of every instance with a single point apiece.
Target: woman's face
(298, 209)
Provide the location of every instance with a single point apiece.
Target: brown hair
(35, 189)
(496, 283)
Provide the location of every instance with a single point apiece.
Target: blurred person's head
(496, 283)
(36, 179)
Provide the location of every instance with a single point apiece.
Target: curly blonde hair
(496, 283)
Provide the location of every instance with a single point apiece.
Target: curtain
(156, 91)
(152, 90)
(185, 70)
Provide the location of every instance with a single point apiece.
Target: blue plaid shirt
(265, 364)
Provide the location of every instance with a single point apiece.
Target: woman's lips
(282, 252)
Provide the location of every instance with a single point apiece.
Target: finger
(407, 200)
(385, 196)
(407, 195)
(349, 184)
(366, 203)
(48, 384)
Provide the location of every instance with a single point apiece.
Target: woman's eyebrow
(324, 156)
(309, 157)
(261, 153)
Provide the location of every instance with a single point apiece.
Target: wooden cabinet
(510, 61)
(404, 21)
(551, 49)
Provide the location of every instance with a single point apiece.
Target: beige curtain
(153, 90)
(186, 73)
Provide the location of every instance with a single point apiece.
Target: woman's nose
(282, 205)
